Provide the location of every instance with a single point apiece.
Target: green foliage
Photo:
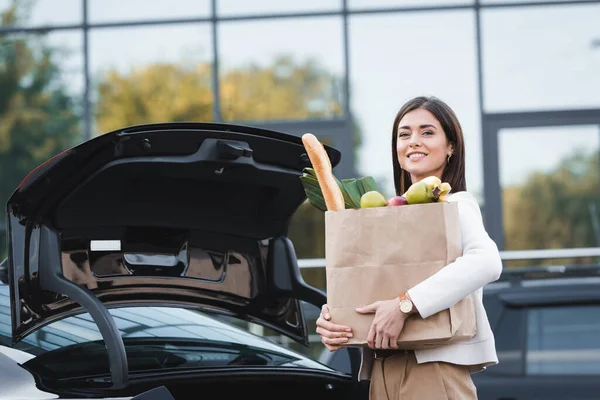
(283, 90)
(174, 92)
(556, 209)
(37, 117)
(155, 93)
(352, 189)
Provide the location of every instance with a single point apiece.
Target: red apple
(397, 201)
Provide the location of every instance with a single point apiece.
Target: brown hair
(454, 171)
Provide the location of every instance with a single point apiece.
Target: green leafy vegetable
(352, 189)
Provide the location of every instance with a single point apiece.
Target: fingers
(325, 317)
(324, 332)
(389, 342)
(333, 341)
(325, 312)
(368, 309)
(333, 344)
(330, 326)
(379, 341)
(371, 337)
(332, 335)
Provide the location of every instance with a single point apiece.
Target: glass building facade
(522, 76)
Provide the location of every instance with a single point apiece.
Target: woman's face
(422, 146)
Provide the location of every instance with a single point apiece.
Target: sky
(533, 59)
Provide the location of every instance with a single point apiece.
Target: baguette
(334, 199)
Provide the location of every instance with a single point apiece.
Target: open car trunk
(190, 215)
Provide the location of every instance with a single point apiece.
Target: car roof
(542, 276)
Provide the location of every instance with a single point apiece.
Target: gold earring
(449, 155)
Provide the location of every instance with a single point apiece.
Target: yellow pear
(419, 193)
(372, 199)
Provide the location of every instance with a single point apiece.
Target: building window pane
(548, 69)
(45, 13)
(237, 7)
(135, 10)
(549, 179)
(396, 57)
(522, 1)
(41, 83)
(167, 80)
(563, 341)
(362, 4)
(285, 69)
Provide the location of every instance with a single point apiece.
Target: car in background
(547, 329)
(546, 323)
(133, 256)
(156, 338)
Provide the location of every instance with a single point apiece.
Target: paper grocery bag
(379, 253)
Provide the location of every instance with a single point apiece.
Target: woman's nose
(414, 141)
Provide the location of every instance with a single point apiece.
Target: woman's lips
(416, 157)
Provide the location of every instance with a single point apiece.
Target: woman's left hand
(387, 323)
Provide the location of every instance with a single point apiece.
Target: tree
(284, 89)
(558, 209)
(157, 93)
(37, 117)
(165, 92)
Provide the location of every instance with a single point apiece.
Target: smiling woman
(422, 145)
(427, 140)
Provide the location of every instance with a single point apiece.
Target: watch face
(406, 306)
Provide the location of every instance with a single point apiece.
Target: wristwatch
(406, 306)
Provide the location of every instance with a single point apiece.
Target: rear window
(563, 340)
(560, 340)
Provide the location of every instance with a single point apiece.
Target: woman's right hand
(332, 335)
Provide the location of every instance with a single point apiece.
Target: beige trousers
(400, 377)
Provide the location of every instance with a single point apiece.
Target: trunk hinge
(52, 279)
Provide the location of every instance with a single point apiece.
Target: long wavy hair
(454, 171)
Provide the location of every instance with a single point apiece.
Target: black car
(547, 328)
(546, 322)
(189, 216)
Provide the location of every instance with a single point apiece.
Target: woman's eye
(427, 133)
(402, 134)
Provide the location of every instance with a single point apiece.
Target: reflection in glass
(40, 98)
(390, 63)
(521, 1)
(550, 187)
(159, 74)
(135, 10)
(287, 69)
(358, 4)
(44, 12)
(549, 69)
(237, 7)
(563, 341)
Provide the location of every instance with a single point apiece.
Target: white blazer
(479, 265)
